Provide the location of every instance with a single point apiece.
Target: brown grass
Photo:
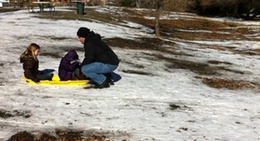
(60, 136)
(228, 84)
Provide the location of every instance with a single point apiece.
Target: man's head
(82, 34)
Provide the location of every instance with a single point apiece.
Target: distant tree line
(248, 9)
(176, 5)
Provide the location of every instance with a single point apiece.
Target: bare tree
(158, 5)
(138, 3)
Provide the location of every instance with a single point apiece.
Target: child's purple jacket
(68, 64)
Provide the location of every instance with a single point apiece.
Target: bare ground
(170, 29)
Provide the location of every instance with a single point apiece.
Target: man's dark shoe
(92, 82)
(105, 84)
(110, 80)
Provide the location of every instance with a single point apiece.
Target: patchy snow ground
(138, 106)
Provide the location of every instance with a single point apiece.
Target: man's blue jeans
(96, 71)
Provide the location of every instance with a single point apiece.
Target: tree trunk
(159, 4)
(137, 3)
(157, 22)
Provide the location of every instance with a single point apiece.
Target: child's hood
(71, 55)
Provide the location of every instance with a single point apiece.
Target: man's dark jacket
(96, 50)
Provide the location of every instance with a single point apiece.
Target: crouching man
(99, 61)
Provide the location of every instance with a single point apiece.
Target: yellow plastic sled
(56, 81)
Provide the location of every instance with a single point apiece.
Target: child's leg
(78, 75)
(75, 74)
(48, 70)
(46, 74)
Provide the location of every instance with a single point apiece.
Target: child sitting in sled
(31, 64)
(69, 68)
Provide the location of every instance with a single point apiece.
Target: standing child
(31, 64)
